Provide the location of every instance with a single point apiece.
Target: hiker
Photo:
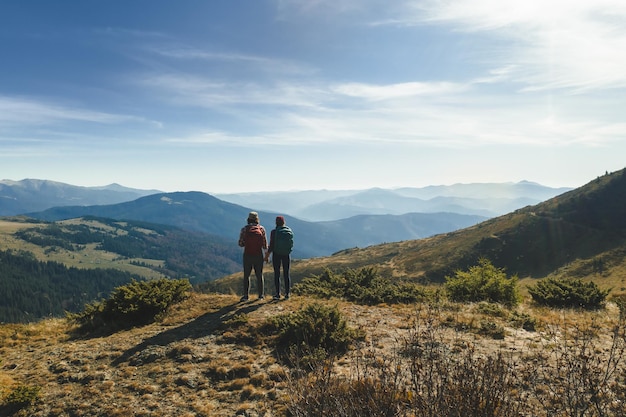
(253, 239)
(281, 244)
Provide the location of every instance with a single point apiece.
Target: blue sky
(261, 95)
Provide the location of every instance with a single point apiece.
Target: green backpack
(283, 240)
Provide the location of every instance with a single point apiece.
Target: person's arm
(242, 237)
(271, 246)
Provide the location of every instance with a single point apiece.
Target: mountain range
(483, 199)
(18, 197)
(578, 234)
(201, 212)
(343, 219)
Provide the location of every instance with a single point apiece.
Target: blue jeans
(285, 261)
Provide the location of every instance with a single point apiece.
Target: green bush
(483, 282)
(316, 330)
(137, 303)
(492, 310)
(20, 397)
(363, 286)
(568, 293)
(524, 321)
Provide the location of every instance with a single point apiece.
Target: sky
(231, 96)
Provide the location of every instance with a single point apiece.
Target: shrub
(568, 293)
(326, 285)
(492, 329)
(20, 397)
(315, 331)
(483, 282)
(363, 286)
(491, 309)
(139, 302)
(523, 320)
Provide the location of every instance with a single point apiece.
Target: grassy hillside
(213, 356)
(581, 233)
(147, 249)
(49, 268)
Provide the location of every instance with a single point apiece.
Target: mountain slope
(202, 212)
(49, 268)
(580, 233)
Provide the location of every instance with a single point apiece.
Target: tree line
(31, 289)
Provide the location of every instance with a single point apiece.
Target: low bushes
(483, 282)
(362, 286)
(137, 303)
(18, 398)
(312, 332)
(568, 293)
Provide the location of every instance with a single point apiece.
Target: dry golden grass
(203, 359)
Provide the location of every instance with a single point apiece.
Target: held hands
(267, 258)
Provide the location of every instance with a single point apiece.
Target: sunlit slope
(579, 233)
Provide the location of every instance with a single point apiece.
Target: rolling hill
(50, 268)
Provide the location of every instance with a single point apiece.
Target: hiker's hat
(253, 216)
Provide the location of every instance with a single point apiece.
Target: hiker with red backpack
(253, 240)
(281, 244)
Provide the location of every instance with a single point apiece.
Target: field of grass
(88, 257)
(213, 356)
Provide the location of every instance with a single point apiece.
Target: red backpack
(253, 240)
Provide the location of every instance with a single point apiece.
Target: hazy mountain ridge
(479, 199)
(28, 195)
(485, 199)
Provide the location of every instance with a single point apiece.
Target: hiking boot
(261, 297)
(244, 298)
(286, 296)
(277, 297)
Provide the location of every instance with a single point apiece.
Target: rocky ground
(209, 356)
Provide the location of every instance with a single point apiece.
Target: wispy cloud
(20, 111)
(419, 113)
(573, 47)
(576, 45)
(189, 90)
(254, 62)
(286, 8)
(400, 90)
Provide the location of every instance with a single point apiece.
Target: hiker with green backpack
(281, 244)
